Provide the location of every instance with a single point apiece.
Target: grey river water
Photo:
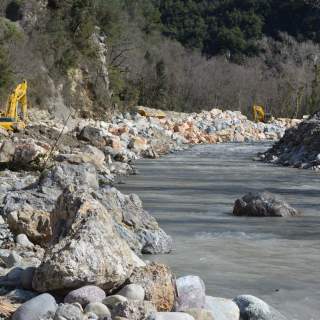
(191, 194)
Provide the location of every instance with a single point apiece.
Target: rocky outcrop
(299, 147)
(263, 204)
(133, 223)
(86, 249)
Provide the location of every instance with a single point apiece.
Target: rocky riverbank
(71, 243)
(299, 147)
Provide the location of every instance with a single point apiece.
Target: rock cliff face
(299, 147)
(57, 82)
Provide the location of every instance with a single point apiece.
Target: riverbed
(191, 194)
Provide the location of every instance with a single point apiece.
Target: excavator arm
(258, 113)
(18, 96)
(16, 110)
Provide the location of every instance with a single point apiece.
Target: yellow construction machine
(259, 114)
(16, 110)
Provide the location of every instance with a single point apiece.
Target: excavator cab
(16, 110)
(259, 114)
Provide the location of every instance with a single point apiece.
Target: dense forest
(184, 55)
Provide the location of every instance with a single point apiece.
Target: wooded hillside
(96, 55)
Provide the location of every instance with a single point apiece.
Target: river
(191, 193)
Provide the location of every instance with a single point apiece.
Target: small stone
(111, 301)
(36, 308)
(85, 295)
(23, 240)
(99, 309)
(132, 292)
(68, 312)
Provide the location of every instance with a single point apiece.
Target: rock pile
(299, 147)
(132, 303)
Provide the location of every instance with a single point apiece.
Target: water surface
(192, 194)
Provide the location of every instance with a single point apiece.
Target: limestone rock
(63, 175)
(157, 281)
(138, 144)
(263, 204)
(86, 248)
(135, 225)
(92, 135)
(87, 154)
(7, 150)
(190, 293)
(35, 224)
(85, 295)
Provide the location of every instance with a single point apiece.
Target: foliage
(234, 26)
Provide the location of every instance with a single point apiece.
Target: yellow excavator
(259, 114)
(16, 110)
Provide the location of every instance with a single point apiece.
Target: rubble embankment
(71, 243)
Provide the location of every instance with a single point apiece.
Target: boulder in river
(263, 204)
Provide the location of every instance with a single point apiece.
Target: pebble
(68, 312)
(85, 295)
(132, 292)
(98, 309)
